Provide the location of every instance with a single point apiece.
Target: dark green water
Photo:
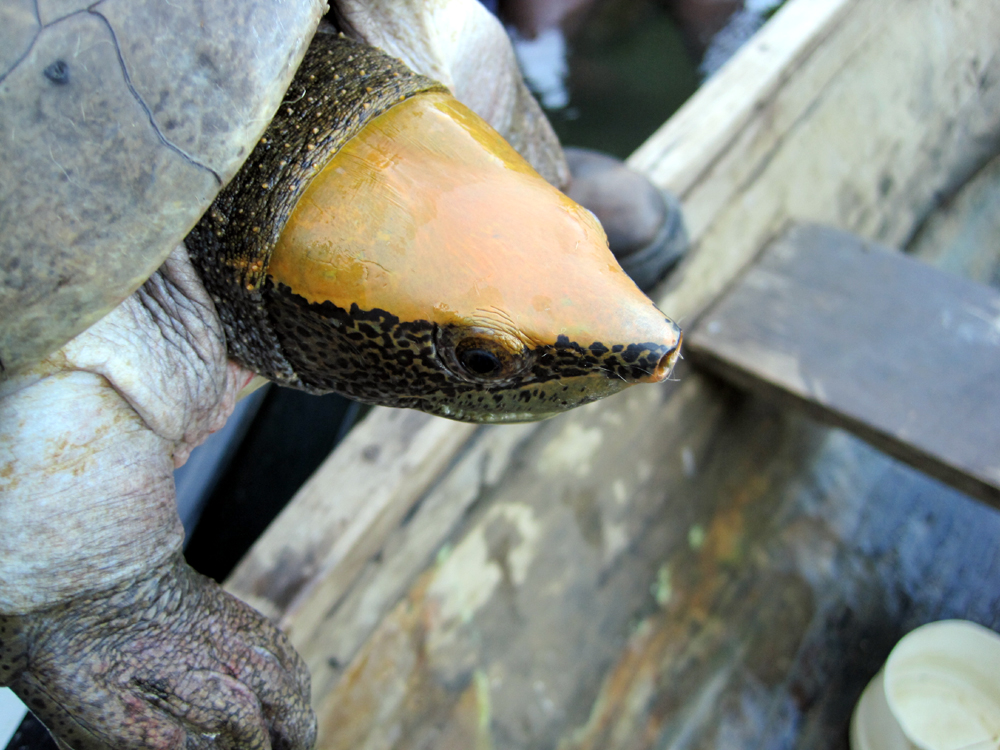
(629, 71)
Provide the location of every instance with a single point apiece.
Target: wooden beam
(900, 353)
(341, 516)
(858, 114)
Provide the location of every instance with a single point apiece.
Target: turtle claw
(171, 661)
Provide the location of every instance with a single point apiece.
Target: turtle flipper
(169, 661)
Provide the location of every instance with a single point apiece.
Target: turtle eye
(480, 362)
(480, 358)
(481, 355)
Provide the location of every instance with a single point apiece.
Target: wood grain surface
(900, 353)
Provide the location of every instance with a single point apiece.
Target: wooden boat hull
(681, 566)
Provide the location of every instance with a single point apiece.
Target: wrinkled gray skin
(150, 664)
(104, 631)
(119, 644)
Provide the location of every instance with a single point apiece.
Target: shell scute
(116, 138)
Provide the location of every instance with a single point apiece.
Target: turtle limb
(104, 632)
(167, 661)
(89, 440)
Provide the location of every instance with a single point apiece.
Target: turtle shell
(120, 121)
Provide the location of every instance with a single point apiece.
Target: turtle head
(455, 280)
(419, 261)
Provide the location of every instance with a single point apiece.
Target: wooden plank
(742, 603)
(331, 636)
(341, 516)
(865, 124)
(904, 355)
(803, 578)
(536, 590)
(683, 151)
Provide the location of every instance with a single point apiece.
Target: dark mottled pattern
(340, 86)
(168, 661)
(372, 356)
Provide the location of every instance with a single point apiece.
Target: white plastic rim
(939, 690)
(942, 683)
(873, 727)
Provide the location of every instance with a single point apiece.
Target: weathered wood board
(958, 235)
(341, 515)
(900, 353)
(619, 577)
(743, 603)
(858, 114)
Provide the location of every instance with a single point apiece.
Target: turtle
(134, 312)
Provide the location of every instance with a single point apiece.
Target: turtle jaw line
(512, 409)
(490, 417)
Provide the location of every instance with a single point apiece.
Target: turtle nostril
(666, 364)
